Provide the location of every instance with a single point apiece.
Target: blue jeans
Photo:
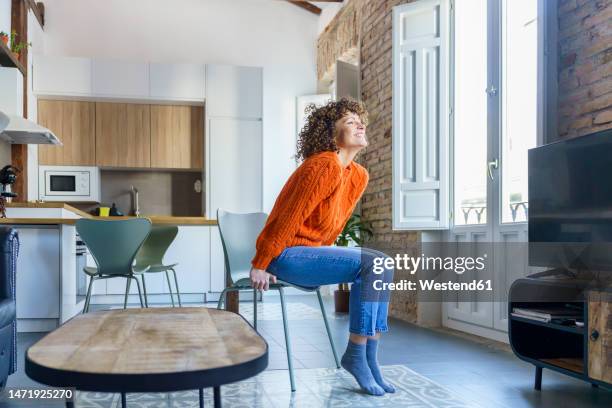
(315, 266)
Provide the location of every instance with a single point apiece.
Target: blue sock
(371, 355)
(354, 361)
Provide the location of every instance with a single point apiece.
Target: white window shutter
(420, 116)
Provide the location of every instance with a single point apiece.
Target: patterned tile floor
(475, 372)
(316, 387)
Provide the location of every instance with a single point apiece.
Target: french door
(496, 97)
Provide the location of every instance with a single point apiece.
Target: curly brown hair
(318, 135)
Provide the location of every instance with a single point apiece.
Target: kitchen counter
(64, 206)
(51, 284)
(167, 220)
(62, 213)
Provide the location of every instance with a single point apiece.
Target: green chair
(113, 245)
(150, 256)
(238, 236)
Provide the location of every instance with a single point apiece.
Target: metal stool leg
(170, 288)
(178, 292)
(139, 293)
(287, 341)
(201, 397)
(329, 335)
(88, 297)
(123, 400)
(127, 290)
(144, 288)
(255, 309)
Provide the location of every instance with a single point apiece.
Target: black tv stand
(580, 352)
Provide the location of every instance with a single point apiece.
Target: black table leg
(201, 392)
(217, 394)
(123, 400)
(538, 378)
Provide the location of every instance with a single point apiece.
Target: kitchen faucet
(135, 201)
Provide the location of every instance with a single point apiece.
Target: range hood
(17, 130)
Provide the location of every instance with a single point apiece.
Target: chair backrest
(155, 246)
(113, 244)
(238, 235)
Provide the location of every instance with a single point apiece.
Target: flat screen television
(570, 203)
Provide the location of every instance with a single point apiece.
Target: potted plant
(4, 37)
(17, 48)
(13, 37)
(355, 231)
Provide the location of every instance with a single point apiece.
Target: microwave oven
(69, 183)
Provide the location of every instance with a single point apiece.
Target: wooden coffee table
(149, 350)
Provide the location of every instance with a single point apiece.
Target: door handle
(594, 335)
(492, 165)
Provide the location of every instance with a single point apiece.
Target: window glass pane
(470, 112)
(519, 103)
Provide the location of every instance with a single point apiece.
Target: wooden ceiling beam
(38, 8)
(306, 6)
(19, 152)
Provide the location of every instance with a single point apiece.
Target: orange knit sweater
(312, 207)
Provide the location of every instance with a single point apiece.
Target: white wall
(274, 34)
(5, 16)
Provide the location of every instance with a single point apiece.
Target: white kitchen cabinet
(61, 76)
(191, 250)
(180, 82)
(38, 272)
(120, 78)
(234, 165)
(233, 91)
(217, 261)
(11, 84)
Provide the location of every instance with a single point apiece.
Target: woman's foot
(354, 361)
(371, 356)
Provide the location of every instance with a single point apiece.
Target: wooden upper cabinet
(177, 135)
(123, 135)
(73, 123)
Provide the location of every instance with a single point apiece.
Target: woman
(309, 213)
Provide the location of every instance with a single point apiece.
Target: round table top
(153, 349)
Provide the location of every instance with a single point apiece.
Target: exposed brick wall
(585, 66)
(340, 37)
(374, 45)
(376, 92)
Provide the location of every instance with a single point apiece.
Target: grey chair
(113, 245)
(150, 257)
(238, 235)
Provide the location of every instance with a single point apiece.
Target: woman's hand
(260, 279)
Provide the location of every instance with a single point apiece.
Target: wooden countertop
(167, 220)
(155, 219)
